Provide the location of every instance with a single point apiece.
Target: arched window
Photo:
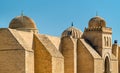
(107, 65)
(110, 41)
(105, 41)
(69, 33)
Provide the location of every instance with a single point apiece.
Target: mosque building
(24, 50)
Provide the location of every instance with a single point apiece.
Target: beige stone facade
(24, 50)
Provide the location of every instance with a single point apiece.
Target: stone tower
(98, 35)
(100, 38)
(69, 48)
(116, 52)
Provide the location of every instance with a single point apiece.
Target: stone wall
(54, 40)
(12, 61)
(85, 61)
(12, 55)
(43, 59)
(98, 66)
(94, 38)
(47, 58)
(57, 65)
(119, 59)
(114, 66)
(68, 50)
(29, 62)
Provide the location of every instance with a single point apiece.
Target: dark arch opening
(107, 65)
(109, 41)
(105, 41)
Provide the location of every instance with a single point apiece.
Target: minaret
(98, 35)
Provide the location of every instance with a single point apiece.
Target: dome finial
(96, 13)
(22, 13)
(72, 24)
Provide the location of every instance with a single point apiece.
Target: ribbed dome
(23, 22)
(97, 22)
(72, 31)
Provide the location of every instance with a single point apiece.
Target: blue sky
(54, 16)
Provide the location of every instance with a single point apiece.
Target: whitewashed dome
(72, 31)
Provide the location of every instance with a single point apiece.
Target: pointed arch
(110, 41)
(107, 65)
(105, 41)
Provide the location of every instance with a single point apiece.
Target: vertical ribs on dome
(69, 33)
(73, 32)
